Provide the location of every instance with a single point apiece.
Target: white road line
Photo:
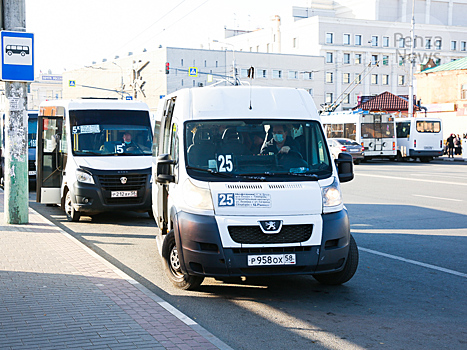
(433, 267)
(445, 199)
(412, 179)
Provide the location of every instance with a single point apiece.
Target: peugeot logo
(270, 226)
(123, 180)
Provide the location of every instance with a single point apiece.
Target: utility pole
(16, 188)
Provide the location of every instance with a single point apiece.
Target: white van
(94, 155)
(419, 137)
(245, 186)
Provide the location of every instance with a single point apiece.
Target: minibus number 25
(225, 163)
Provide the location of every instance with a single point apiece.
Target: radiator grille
(113, 182)
(254, 234)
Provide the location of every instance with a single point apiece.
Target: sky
(70, 34)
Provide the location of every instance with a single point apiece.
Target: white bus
(94, 155)
(376, 132)
(420, 138)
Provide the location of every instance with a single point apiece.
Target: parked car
(346, 145)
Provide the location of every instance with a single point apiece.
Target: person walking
(457, 145)
(450, 142)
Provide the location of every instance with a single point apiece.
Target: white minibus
(245, 186)
(94, 155)
(376, 132)
(419, 137)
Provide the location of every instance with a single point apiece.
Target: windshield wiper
(210, 171)
(313, 177)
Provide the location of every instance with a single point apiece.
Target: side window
(156, 139)
(167, 123)
(174, 142)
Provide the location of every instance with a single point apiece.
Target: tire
(425, 159)
(347, 273)
(71, 213)
(172, 266)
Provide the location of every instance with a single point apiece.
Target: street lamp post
(121, 86)
(234, 65)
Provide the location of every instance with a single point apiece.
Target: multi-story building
(143, 76)
(365, 44)
(443, 91)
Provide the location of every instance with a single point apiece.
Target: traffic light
(167, 67)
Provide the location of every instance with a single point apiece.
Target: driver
(280, 143)
(129, 145)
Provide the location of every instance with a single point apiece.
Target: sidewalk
(55, 293)
(455, 159)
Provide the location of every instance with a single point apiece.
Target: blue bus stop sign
(17, 56)
(128, 98)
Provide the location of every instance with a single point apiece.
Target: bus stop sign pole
(17, 66)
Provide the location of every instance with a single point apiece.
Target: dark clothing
(450, 142)
(271, 146)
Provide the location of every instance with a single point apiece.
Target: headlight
(83, 177)
(197, 197)
(332, 197)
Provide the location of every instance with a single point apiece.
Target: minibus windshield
(110, 132)
(256, 149)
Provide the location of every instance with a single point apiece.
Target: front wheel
(172, 266)
(71, 213)
(336, 278)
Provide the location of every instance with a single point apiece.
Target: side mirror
(164, 170)
(344, 164)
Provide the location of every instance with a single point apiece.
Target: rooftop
(454, 65)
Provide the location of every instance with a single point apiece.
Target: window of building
(244, 73)
(463, 46)
(427, 44)
(329, 98)
(329, 57)
(454, 59)
(385, 60)
(358, 58)
(385, 79)
(374, 59)
(453, 45)
(438, 44)
(308, 75)
(374, 40)
(438, 61)
(293, 74)
(267, 48)
(374, 79)
(402, 42)
(217, 64)
(346, 99)
(276, 74)
(294, 42)
(181, 62)
(205, 63)
(346, 39)
(401, 60)
(346, 78)
(194, 63)
(401, 80)
(358, 39)
(329, 38)
(310, 91)
(263, 73)
(385, 41)
(346, 58)
(358, 78)
(464, 92)
(329, 77)
(257, 48)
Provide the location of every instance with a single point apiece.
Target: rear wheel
(172, 265)
(347, 273)
(71, 213)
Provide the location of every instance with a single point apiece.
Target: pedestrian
(450, 142)
(457, 145)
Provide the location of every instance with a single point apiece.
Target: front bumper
(202, 253)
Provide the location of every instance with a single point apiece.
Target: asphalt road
(410, 223)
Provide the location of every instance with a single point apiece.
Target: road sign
(128, 98)
(17, 56)
(71, 83)
(193, 72)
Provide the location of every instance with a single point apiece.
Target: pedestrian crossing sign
(193, 71)
(71, 83)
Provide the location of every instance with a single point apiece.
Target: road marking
(433, 267)
(412, 179)
(445, 199)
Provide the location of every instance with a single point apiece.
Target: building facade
(143, 76)
(443, 91)
(365, 44)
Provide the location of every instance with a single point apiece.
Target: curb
(175, 312)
